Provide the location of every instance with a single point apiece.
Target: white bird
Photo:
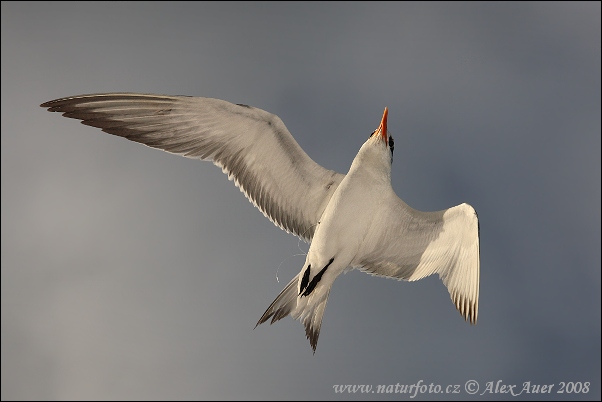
(352, 221)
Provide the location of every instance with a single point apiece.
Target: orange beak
(383, 127)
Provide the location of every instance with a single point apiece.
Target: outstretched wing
(411, 245)
(253, 147)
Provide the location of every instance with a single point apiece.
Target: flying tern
(352, 221)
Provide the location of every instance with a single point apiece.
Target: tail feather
(284, 304)
(309, 310)
(313, 322)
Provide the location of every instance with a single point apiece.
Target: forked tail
(283, 305)
(308, 310)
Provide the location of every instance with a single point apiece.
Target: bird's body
(352, 221)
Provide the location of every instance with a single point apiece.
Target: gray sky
(129, 272)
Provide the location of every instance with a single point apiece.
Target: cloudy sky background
(133, 273)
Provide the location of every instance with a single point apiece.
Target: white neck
(374, 160)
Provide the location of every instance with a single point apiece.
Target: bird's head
(381, 136)
(377, 151)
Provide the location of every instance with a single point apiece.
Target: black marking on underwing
(305, 279)
(316, 279)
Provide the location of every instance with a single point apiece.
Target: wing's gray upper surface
(253, 147)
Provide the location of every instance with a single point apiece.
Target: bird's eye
(372, 134)
(391, 144)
